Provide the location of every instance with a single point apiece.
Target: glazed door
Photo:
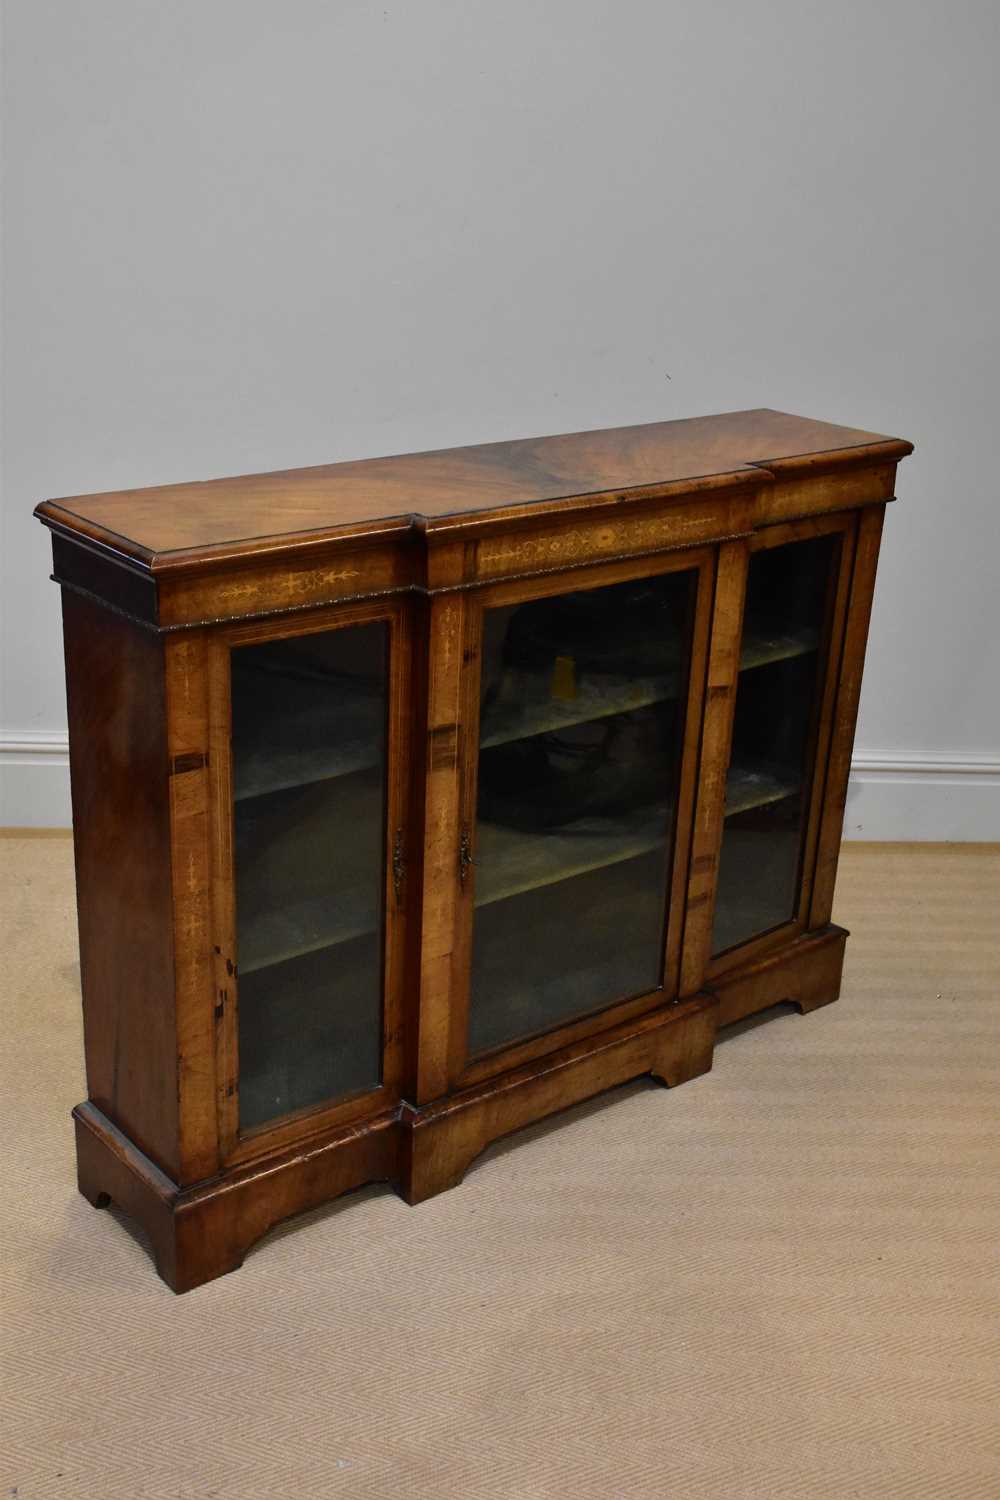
(576, 778)
(311, 867)
(796, 588)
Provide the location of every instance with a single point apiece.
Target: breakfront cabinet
(418, 798)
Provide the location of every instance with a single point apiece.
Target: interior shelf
(746, 789)
(305, 927)
(525, 705)
(307, 733)
(509, 862)
(763, 644)
(310, 1030)
(302, 843)
(323, 734)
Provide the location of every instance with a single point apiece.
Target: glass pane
(308, 748)
(582, 709)
(777, 699)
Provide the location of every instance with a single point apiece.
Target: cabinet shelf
(532, 709)
(309, 720)
(307, 734)
(305, 927)
(763, 645)
(510, 862)
(302, 843)
(746, 789)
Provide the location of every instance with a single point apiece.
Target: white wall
(243, 234)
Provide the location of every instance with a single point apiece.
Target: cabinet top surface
(178, 523)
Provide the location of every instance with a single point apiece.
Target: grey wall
(244, 235)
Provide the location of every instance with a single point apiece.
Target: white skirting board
(892, 797)
(942, 799)
(34, 779)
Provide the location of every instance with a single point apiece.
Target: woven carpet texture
(779, 1280)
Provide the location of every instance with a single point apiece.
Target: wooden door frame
(396, 614)
(700, 966)
(453, 735)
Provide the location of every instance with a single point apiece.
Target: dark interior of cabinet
(309, 778)
(581, 725)
(789, 599)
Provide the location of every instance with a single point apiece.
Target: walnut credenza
(418, 798)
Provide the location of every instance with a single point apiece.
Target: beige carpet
(779, 1280)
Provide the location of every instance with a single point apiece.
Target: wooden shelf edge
(636, 848)
(641, 694)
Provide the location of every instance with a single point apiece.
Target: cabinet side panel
(121, 821)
